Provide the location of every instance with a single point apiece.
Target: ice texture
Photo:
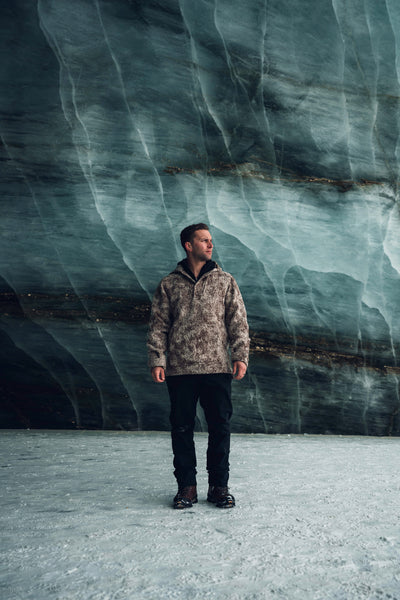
(277, 123)
(89, 515)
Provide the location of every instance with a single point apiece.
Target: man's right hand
(158, 374)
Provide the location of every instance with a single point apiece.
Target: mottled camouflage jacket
(194, 323)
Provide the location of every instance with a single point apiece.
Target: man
(197, 313)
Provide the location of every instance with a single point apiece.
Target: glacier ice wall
(277, 122)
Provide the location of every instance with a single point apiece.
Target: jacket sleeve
(236, 324)
(157, 338)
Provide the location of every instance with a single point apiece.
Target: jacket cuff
(156, 360)
(243, 359)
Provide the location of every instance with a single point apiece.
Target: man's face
(201, 247)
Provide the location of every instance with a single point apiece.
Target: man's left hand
(239, 369)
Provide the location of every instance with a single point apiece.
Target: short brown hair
(187, 234)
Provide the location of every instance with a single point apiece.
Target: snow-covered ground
(87, 515)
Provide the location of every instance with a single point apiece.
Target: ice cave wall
(275, 121)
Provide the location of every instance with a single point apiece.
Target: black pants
(214, 393)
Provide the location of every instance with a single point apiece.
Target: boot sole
(182, 506)
(218, 505)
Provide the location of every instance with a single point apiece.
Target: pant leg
(215, 399)
(183, 394)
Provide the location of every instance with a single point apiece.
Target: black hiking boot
(186, 497)
(220, 496)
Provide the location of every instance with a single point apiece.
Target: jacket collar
(209, 266)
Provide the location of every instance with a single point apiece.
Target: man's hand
(239, 369)
(158, 374)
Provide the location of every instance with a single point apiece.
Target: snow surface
(87, 515)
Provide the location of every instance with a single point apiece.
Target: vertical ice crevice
(136, 127)
(296, 406)
(202, 82)
(257, 396)
(262, 57)
(367, 383)
(236, 79)
(65, 73)
(197, 86)
(372, 89)
(121, 375)
(394, 20)
(84, 157)
(396, 412)
(346, 92)
(386, 240)
(345, 101)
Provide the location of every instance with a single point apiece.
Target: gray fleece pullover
(194, 323)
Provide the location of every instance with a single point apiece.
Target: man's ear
(188, 246)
